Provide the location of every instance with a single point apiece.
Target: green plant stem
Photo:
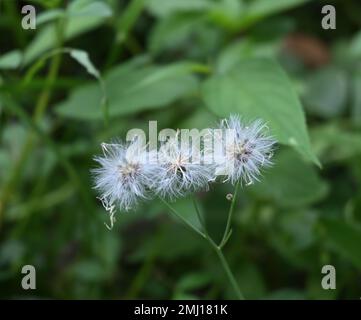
(28, 145)
(200, 216)
(227, 269)
(40, 108)
(12, 107)
(227, 230)
(124, 26)
(216, 248)
(185, 222)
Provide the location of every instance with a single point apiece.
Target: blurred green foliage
(184, 63)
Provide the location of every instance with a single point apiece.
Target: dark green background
(298, 218)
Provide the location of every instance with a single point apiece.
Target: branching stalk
(215, 247)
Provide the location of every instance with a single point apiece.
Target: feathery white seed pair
(129, 173)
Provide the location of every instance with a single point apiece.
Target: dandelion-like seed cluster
(248, 148)
(130, 172)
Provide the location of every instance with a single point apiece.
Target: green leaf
(298, 228)
(259, 9)
(237, 15)
(49, 15)
(258, 88)
(326, 92)
(83, 58)
(131, 88)
(332, 142)
(291, 182)
(82, 16)
(246, 48)
(173, 31)
(89, 8)
(344, 238)
(163, 8)
(10, 60)
(227, 13)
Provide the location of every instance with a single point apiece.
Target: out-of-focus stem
(40, 108)
(214, 246)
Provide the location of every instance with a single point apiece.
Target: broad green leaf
(162, 8)
(326, 92)
(345, 238)
(291, 182)
(200, 119)
(227, 13)
(331, 142)
(171, 32)
(258, 88)
(298, 227)
(131, 89)
(237, 15)
(259, 9)
(176, 32)
(82, 16)
(246, 48)
(10, 60)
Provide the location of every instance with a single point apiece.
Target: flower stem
(227, 230)
(216, 248)
(180, 217)
(227, 269)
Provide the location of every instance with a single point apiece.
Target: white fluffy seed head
(128, 173)
(181, 169)
(124, 174)
(246, 150)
